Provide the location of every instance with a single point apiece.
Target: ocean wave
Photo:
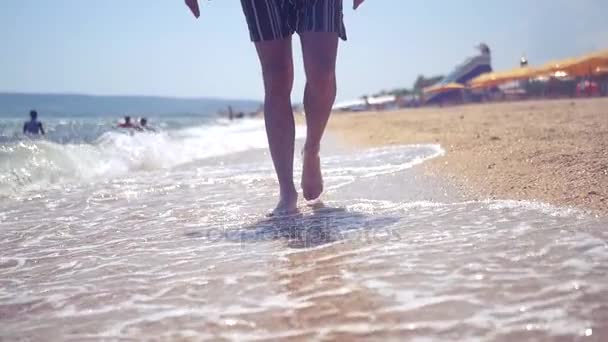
(39, 163)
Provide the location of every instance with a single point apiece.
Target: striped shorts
(278, 19)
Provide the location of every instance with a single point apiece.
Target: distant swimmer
(33, 126)
(143, 125)
(127, 123)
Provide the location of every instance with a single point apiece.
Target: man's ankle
(288, 191)
(311, 148)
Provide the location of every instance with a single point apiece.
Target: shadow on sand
(320, 226)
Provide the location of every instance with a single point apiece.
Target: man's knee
(321, 74)
(278, 79)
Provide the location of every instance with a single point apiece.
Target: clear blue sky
(156, 47)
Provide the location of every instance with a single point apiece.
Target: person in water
(272, 24)
(143, 125)
(127, 123)
(33, 127)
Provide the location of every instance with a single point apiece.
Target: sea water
(107, 235)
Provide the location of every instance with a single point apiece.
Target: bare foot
(312, 179)
(288, 204)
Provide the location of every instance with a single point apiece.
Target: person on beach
(33, 127)
(272, 24)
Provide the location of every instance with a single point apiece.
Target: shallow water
(82, 153)
(185, 252)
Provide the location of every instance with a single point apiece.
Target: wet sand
(185, 253)
(553, 151)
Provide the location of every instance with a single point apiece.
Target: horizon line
(3, 92)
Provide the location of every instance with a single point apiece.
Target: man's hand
(357, 3)
(193, 5)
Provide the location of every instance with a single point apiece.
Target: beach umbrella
(484, 80)
(588, 64)
(441, 88)
(496, 78)
(564, 65)
(517, 74)
(582, 66)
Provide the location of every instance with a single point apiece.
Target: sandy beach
(554, 151)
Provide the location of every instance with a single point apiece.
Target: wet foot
(288, 204)
(312, 179)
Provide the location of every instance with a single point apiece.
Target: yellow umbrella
(595, 63)
(517, 74)
(556, 66)
(582, 66)
(496, 78)
(587, 65)
(484, 80)
(440, 88)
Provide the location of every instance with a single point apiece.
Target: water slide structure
(471, 68)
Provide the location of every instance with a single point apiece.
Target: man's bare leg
(319, 50)
(277, 68)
